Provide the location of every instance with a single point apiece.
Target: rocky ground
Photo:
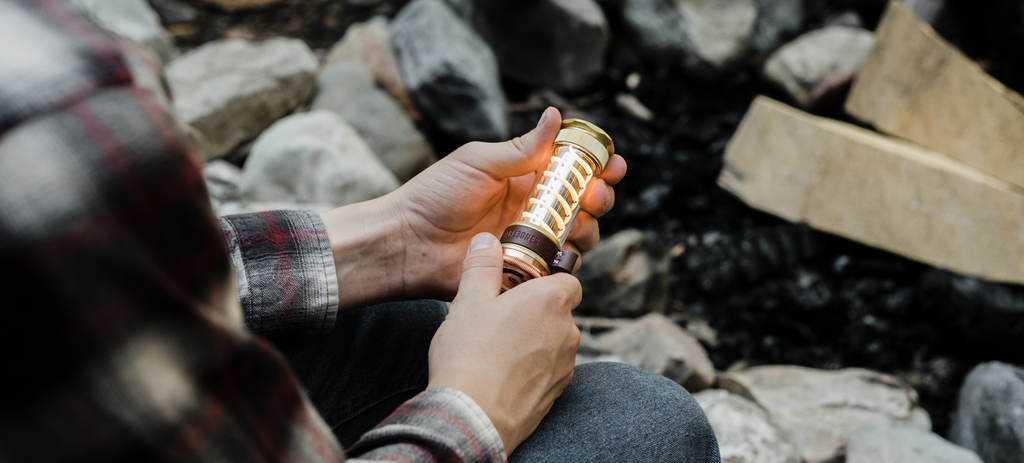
(753, 289)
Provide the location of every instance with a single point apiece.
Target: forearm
(368, 251)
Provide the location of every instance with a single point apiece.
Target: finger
(585, 232)
(481, 271)
(598, 199)
(516, 157)
(615, 170)
(568, 289)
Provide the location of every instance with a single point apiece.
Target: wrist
(368, 251)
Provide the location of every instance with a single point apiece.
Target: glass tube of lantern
(532, 244)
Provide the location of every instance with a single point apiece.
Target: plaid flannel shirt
(123, 337)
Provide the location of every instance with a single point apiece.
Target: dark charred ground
(775, 292)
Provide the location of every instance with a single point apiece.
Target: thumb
(481, 271)
(519, 156)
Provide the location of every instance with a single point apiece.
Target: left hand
(410, 243)
(478, 188)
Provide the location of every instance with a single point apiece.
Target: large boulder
(706, 37)
(818, 66)
(990, 415)
(230, 90)
(625, 275)
(310, 158)
(656, 344)
(558, 44)
(450, 72)
(821, 409)
(370, 43)
(776, 20)
(892, 443)
(346, 87)
(744, 431)
(134, 20)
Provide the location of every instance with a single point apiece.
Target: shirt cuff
(437, 425)
(285, 271)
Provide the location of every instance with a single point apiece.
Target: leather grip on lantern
(532, 239)
(564, 261)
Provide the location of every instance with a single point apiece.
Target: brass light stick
(532, 245)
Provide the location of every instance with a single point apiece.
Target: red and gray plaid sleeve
(285, 271)
(121, 334)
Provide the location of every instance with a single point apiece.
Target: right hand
(512, 354)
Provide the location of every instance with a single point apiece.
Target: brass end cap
(588, 137)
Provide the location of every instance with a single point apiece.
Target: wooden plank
(918, 87)
(878, 190)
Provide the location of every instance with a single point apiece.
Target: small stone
(625, 275)
(174, 11)
(656, 344)
(744, 431)
(233, 5)
(370, 42)
(893, 443)
(847, 18)
(630, 105)
(706, 37)
(346, 87)
(230, 90)
(990, 415)
(821, 409)
(450, 72)
(776, 20)
(559, 44)
(818, 66)
(134, 20)
(223, 180)
(314, 157)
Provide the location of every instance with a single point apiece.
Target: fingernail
(481, 241)
(544, 117)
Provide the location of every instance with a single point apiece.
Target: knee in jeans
(650, 401)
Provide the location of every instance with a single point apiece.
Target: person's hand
(512, 354)
(410, 243)
(480, 188)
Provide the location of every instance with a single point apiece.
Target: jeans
(375, 359)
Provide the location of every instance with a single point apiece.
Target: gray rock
(223, 180)
(744, 431)
(230, 90)
(776, 20)
(133, 20)
(656, 344)
(559, 44)
(820, 409)
(370, 43)
(346, 87)
(990, 415)
(314, 157)
(819, 65)
(928, 10)
(450, 72)
(893, 443)
(174, 11)
(625, 275)
(237, 207)
(707, 37)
